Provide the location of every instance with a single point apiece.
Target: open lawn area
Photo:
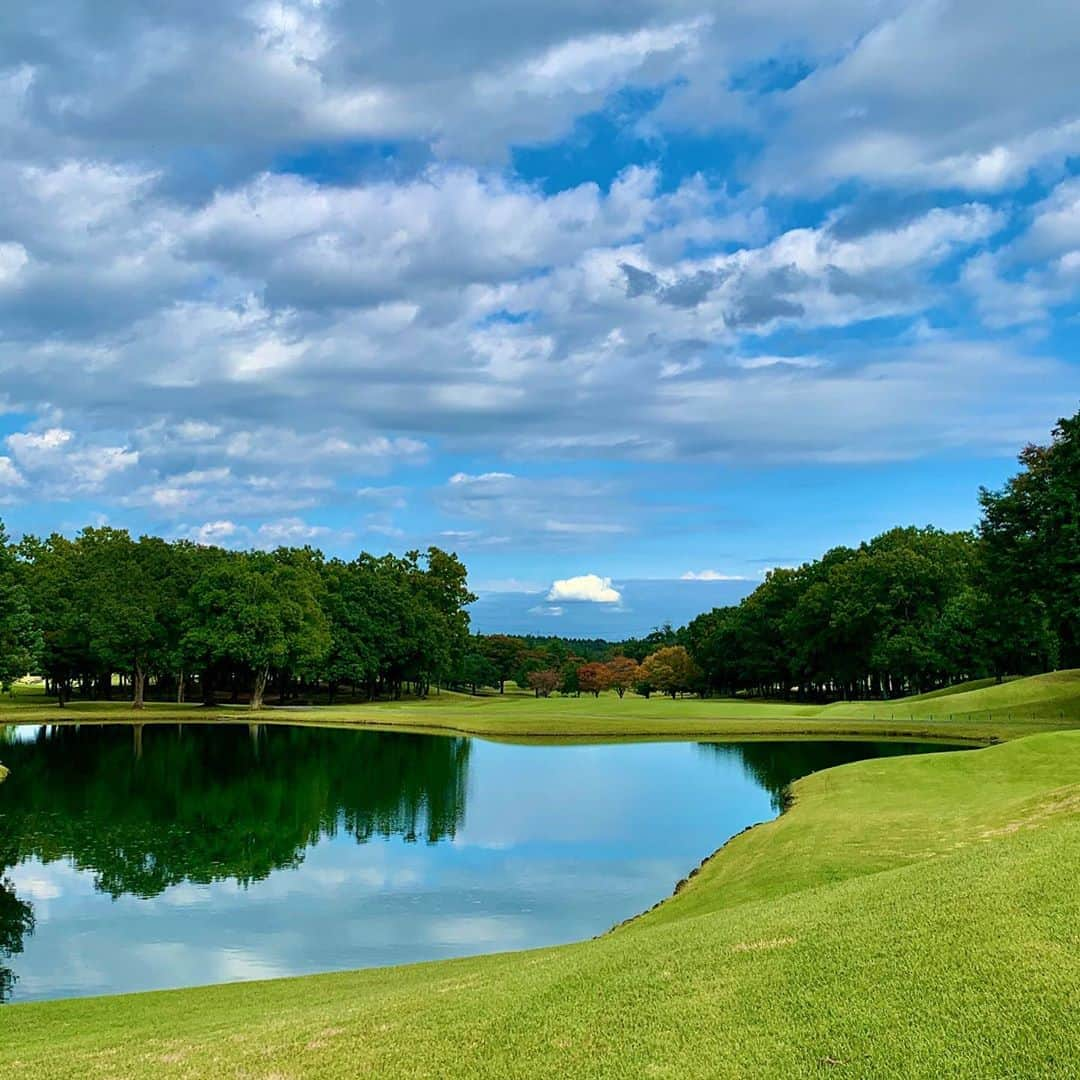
(986, 713)
(911, 916)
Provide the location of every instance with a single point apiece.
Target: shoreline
(810, 887)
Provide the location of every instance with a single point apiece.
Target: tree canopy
(83, 611)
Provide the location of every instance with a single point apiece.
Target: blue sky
(637, 291)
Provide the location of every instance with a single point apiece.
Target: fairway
(914, 916)
(988, 713)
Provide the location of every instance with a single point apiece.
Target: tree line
(548, 665)
(906, 612)
(915, 609)
(182, 620)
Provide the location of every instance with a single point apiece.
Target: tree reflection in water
(147, 807)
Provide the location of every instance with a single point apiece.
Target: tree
(544, 681)
(60, 606)
(622, 673)
(129, 598)
(593, 678)
(669, 670)
(20, 640)
(261, 611)
(504, 653)
(475, 670)
(1031, 532)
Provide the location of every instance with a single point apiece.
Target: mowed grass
(989, 712)
(908, 917)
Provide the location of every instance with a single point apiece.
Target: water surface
(134, 859)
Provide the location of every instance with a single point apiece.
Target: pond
(164, 856)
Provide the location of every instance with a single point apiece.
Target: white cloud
(589, 588)
(232, 344)
(9, 475)
(710, 575)
(505, 585)
(290, 532)
(547, 609)
(211, 533)
(57, 462)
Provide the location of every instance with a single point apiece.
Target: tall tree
(1031, 529)
(260, 611)
(20, 639)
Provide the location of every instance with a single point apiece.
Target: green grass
(912, 916)
(1003, 711)
(958, 688)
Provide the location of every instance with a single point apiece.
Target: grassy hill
(1053, 698)
(911, 916)
(959, 688)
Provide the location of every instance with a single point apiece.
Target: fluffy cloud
(254, 256)
(586, 588)
(59, 464)
(10, 477)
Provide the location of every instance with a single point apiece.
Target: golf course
(914, 915)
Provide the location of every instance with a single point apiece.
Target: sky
(654, 295)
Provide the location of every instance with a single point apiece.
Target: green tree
(260, 611)
(504, 653)
(20, 640)
(1031, 530)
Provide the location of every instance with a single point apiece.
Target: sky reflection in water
(210, 854)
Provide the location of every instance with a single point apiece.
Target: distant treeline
(184, 620)
(914, 609)
(908, 611)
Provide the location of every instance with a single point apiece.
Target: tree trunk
(262, 676)
(206, 686)
(138, 685)
(181, 686)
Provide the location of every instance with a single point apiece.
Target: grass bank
(985, 713)
(913, 916)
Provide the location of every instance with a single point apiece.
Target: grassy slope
(958, 688)
(908, 917)
(1007, 711)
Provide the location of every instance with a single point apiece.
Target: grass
(910, 916)
(994, 712)
(958, 688)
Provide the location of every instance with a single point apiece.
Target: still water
(136, 859)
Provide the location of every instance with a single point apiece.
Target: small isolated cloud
(505, 585)
(210, 533)
(710, 575)
(546, 609)
(589, 588)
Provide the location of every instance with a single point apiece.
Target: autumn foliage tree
(593, 678)
(544, 681)
(622, 673)
(670, 670)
